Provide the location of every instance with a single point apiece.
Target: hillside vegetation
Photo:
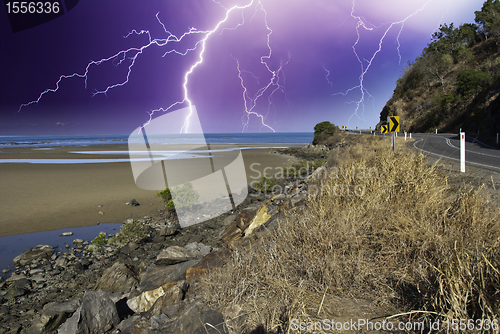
(455, 83)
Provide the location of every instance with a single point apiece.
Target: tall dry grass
(409, 242)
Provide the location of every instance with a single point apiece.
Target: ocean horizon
(46, 142)
(51, 141)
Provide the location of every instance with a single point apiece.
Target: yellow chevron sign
(394, 123)
(383, 129)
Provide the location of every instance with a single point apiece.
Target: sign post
(393, 122)
(462, 152)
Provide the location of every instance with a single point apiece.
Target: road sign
(370, 127)
(383, 128)
(356, 128)
(393, 123)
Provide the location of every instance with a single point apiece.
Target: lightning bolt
(271, 87)
(327, 75)
(133, 53)
(361, 23)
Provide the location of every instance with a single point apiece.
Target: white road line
(485, 154)
(447, 157)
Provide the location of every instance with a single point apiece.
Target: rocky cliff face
(447, 93)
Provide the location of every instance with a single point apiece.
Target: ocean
(39, 143)
(48, 142)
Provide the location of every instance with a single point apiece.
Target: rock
(61, 261)
(173, 293)
(66, 234)
(22, 283)
(199, 319)
(174, 254)
(168, 230)
(118, 278)
(234, 232)
(212, 260)
(228, 220)
(38, 278)
(15, 277)
(96, 314)
(198, 248)
(67, 276)
(260, 218)
(33, 254)
(156, 277)
(158, 321)
(134, 324)
(5, 271)
(132, 202)
(53, 315)
(77, 242)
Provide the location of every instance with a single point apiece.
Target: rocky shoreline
(144, 282)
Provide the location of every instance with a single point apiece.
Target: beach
(38, 197)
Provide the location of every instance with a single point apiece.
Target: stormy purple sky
(308, 76)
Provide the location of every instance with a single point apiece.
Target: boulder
(118, 278)
(234, 232)
(212, 260)
(199, 319)
(175, 254)
(96, 314)
(53, 315)
(165, 295)
(33, 254)
(158, 276)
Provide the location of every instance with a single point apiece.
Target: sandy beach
(42, 197)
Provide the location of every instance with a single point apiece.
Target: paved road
(447, 146)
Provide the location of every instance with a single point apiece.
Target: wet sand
(43, 197)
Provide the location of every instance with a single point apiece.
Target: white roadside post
(436, 131)
(405, 135)
(462, 152)
(410, 135)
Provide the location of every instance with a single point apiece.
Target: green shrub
(100, 240)
(472, 81)
(128, 232)
(322, 131)
(265, 184)
(185, 195)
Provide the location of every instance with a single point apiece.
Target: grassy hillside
(455, 83)
(404, 245)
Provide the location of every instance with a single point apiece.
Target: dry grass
(409, 242)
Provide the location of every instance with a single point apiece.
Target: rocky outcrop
(118, 278)
(97, 314)
(35, 255)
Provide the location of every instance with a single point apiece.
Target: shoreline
(44, 197)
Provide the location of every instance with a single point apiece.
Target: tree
(488, 18)
(472, 81)
(438, 65)
(322, 131)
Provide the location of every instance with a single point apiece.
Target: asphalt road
(447, 146)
